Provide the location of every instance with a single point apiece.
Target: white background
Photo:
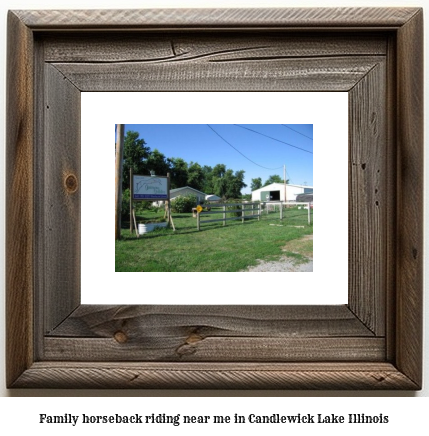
(327, 284)
(20, 413)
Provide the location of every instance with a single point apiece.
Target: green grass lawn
(215, 248)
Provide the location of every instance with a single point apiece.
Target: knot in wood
(71, 183)
(193, 338)
(120, 337)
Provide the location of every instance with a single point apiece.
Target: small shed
(213, 198)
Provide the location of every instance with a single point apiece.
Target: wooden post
(119, 156)
(168, 199)
(169, 215)
(131, 198)
(224, 215)
(135, 223)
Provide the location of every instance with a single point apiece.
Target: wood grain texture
(19, 200)
(213, 333)
(391, 195)
(298, 74)
(99, 321)
(61, 169)
(368, 202)
(192, 347)
(207, 18)
(410, 187)
(341, 376)
(178, 47)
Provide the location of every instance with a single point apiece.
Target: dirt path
(302, 246)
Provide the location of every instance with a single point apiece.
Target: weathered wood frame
(373, 342)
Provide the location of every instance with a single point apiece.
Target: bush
(183, 204)
(139, 206)
(125, 206)
(237, 208)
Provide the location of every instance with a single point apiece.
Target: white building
(185, 191)
(276, 192)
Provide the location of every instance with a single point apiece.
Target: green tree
(256, 184)
(275, 178)
(218, 181)
(219, 186)
(236, 184)
(179, 172)
(195, 176)
(219, 170)
(157, 162)
(135, 154)
(226, 183)
(208, 182)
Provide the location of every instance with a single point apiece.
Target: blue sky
(259, 149)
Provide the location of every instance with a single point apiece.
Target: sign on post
(150, 188)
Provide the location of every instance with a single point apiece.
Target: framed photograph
(192, 258)
(375, 55)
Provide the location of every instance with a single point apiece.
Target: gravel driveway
(284, 264)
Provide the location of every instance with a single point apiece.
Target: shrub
(139, 206)
(125, 205)
(235, 207)
(183, 204)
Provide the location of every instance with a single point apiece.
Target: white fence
(283, 204)
(246, 211)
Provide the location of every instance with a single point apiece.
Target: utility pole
(119, 157)
(284, 179)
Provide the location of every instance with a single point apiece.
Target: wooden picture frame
(373, 342)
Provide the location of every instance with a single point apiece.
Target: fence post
(281, 211)
(224, 214)
(198, 221)
(309, 218)
(242, 213)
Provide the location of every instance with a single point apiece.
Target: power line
(238, 151)
(296, 131)
(274, 139)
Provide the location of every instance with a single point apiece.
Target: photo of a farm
(222, 198)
